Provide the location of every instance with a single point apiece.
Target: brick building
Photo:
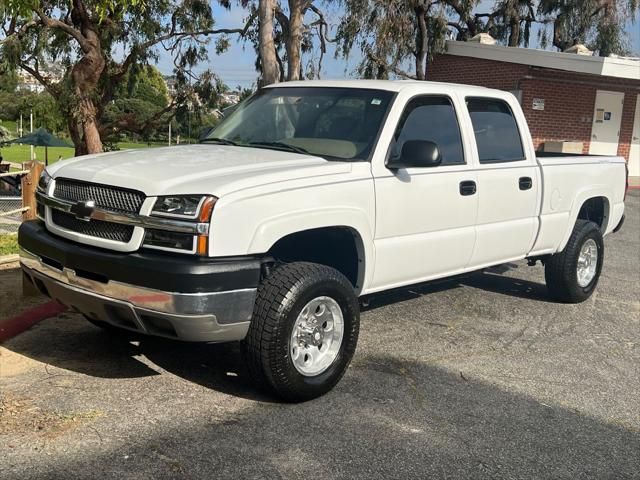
(573, 102)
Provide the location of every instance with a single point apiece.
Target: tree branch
(85, 45)
(136, 50)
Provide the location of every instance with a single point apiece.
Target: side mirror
(417, 153)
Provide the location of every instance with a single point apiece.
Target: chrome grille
(116, 199)
(93, 228)
(105, 196)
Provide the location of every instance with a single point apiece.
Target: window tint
(433, 119)
(496, 131)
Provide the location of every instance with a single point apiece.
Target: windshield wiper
(220, 141)
(279, 146)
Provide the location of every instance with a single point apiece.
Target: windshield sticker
(376, 101)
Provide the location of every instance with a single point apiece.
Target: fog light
(161, 240)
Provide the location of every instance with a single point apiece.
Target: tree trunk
(559, 40)
(514, 33)
(422, 44)
(267, 48)
(85, 77)
(294, 40)
(76, 136)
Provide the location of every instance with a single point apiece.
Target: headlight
(195, 208)
(44, 181)
(187, 206)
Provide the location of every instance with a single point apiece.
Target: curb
(5, 259)
(11, 327)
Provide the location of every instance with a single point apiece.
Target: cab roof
(390, 85)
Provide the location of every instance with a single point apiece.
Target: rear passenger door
(508, 183)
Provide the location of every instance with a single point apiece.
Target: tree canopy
(98, 42)
(394, 33)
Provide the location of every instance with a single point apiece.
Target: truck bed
(568, 181)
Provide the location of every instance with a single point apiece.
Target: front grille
(105, 196)
(93, 228)
(116, 199)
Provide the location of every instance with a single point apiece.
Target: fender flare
(273, 229)
(580, 199)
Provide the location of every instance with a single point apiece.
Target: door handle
(525, 183)
(468, 188)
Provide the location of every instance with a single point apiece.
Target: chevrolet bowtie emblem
(83, 210)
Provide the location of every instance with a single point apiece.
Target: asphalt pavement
(479, 377)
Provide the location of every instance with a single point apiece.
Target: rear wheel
(303, 332)
(572, 275)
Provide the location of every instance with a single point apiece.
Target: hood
(195, 169)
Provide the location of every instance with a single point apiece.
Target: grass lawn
(8, 244)
(20, 153)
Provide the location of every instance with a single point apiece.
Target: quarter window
(433, 119)
(496, 131)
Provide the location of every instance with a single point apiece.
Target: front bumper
(201, 300)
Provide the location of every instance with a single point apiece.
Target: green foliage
(44, 107)
(83, 37)
(600, 24)
(8, 81)
(8, 244)
(5, 134)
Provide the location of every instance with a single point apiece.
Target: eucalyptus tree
(282, 32)
(600, 24)
(98, 42)
(394, 33)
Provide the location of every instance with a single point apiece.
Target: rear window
(496, 130)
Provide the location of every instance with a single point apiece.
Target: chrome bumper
(197, 317)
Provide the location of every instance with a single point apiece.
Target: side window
(434, 119)
(496, 131)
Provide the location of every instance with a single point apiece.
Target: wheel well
(596, 210)
(337, 247)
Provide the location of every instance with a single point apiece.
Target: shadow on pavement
(387, 419)
(72, 343)
(490, 280)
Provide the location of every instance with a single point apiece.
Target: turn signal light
(202, 241)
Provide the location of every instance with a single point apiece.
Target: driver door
(425, 217)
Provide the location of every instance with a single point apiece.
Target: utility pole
(169, 133)
(20, 130)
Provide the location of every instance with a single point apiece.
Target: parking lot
(481, 377)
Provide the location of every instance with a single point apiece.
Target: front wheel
(572, 275)
(303, 332)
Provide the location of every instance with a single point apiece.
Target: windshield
(335, 123)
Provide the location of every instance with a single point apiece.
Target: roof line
(627, 68)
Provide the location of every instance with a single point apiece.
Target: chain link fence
(11, 201)
(10, 214)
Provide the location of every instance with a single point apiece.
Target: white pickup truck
(308, 196)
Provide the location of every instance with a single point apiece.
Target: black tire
(281, 298)
(561, 269)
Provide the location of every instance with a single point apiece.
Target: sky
(236, 67)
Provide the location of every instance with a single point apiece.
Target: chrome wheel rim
(587, 263)
(317, 336)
